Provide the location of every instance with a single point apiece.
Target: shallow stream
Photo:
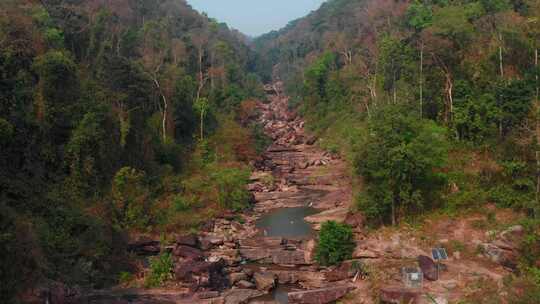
(287, 222)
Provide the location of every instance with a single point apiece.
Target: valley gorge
(372, 151)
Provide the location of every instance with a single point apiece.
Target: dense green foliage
(465, 70)
(336, 243)
(433, 103)
(131, 116)
(101, 131)
(399, 162)
(160, 270)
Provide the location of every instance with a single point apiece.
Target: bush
(525, 290)
(130, 196)
(160, 271)
(336, 243)
(181, 204)
(402, 163)
(230, 184)
(125, 277)
(261, 141)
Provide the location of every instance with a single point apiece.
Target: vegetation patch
(336, 243)
(160, 270)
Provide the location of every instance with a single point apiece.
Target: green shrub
(525, 290)
(530, 247)
(125, 277)
(401, 164)
(181, 204)
(336, 243)
(230, 184)
(260, 139)
(160, 271)
(506, 196)
(130, 195)
(6, 131)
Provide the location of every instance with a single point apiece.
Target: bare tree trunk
(165, 108)
(393, 210)
(200, 66)
(501, 67)
(450, 96)
(202, 125)
(394, 81)
(537, 120)
(165, 113)
(366, 101)
(421, 79)
(537, 200)
(536, 65)
(348, 56)
(212, 58)
(449, 86)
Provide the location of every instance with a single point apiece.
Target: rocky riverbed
(266, 254)
(243, 259)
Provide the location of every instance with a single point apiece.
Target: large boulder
(188, 253)
(240, 296)
(343, 272)
(355, 220)
(309, 251)
(237, 276)
(311, 140)
(264, 281)
(52, 292)
(361, 253)
(398, 295)
(256, 254)
(429, 268)
(245, 284)
(144, 245)
(287, 257)
(187, 240)
(319, 296)
(504, 250)
(203, 274)
(504, 257)
(208, 295)
(210, 242)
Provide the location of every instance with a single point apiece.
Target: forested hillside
(115, 117)
(129, 127)
(434, 104)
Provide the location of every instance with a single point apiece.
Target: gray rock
(245, 284)
(355, 220)
(286, 257)
(429, 268)
(210, 242)
(238, 276)
(249, 272)
(187, 252)
(319, 296)
(187, 240)
(208, 295)
(241, 296)
(398, 295)
(264, 281)
(254, 254)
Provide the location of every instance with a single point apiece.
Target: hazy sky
(255, 17)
